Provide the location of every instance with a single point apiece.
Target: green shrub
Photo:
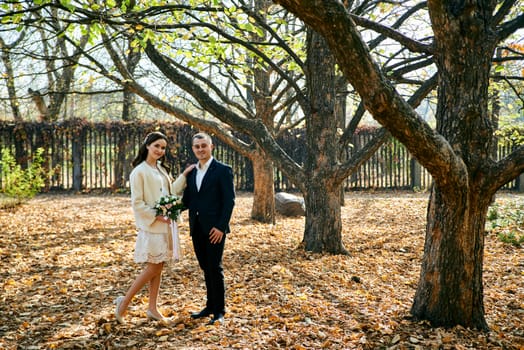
(21, 183)
(507, 222)
(493, 213)
(510, 238)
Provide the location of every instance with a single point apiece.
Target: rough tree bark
(263, 209)
(128, 114)
(450, 288)
(323, 228)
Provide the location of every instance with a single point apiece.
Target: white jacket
(146, 190)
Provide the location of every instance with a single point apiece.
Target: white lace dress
(158, 247)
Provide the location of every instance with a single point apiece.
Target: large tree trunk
(450, 288)
(322, 195)
(323, 229)
(129, 113)
(263, 208)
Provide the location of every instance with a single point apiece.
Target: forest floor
(65, 258)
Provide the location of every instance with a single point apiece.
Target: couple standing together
(209, 195)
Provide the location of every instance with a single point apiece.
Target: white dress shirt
(201, 172)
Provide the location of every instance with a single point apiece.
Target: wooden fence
(86, 156)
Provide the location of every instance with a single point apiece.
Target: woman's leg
(147, 275)
(154, 288)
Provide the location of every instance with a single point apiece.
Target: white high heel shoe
(150, 315)
(118, 316)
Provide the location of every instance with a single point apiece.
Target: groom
(210, 198)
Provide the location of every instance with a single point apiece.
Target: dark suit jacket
(213, 204)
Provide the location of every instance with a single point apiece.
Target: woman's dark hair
(142, 151)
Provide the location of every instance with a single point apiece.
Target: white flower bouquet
(169, 206)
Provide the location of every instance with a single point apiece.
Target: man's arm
(227, 189)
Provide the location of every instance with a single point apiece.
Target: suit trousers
(209, 258)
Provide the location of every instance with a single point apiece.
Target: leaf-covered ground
(65, 258)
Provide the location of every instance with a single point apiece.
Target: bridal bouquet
(169, 206)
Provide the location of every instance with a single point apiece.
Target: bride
(157, 236)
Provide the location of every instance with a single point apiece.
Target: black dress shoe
(218, 318)
(205, 312)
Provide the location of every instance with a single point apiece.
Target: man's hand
(215, 235)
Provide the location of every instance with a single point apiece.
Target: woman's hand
(188, 169)
(163, 219)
